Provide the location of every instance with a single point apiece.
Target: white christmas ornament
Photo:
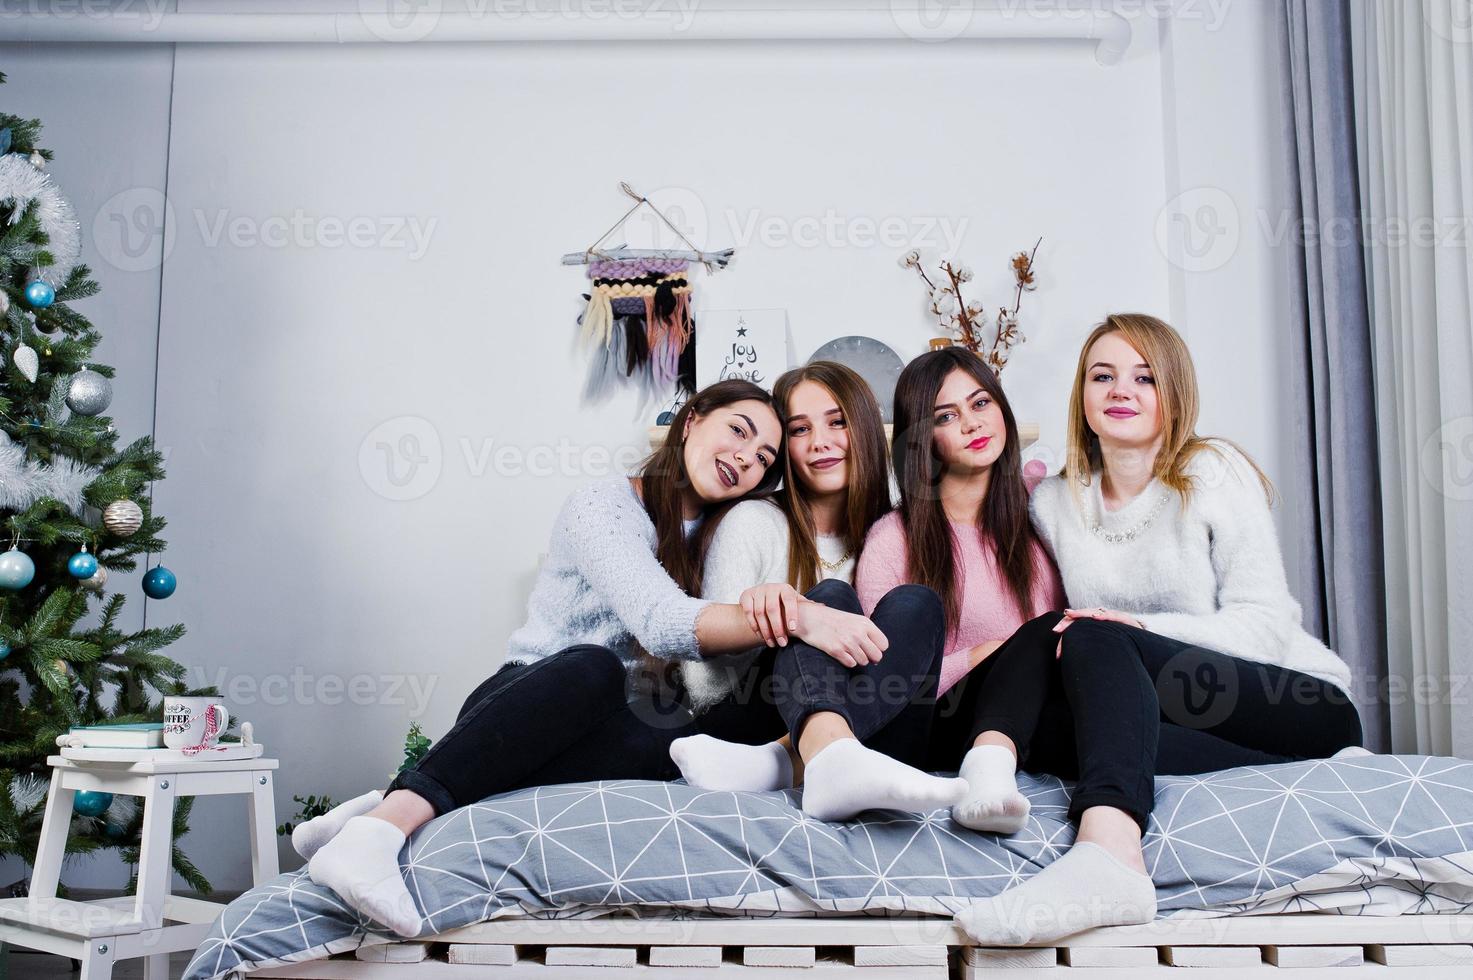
(37, 160)
(25, 358)
(122, 517)
(89, 393)
(98, 581)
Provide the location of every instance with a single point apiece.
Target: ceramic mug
(193, 723)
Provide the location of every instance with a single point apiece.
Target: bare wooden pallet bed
(1431, 947)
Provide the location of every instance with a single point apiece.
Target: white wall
(281, 369)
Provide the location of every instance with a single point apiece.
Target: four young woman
(889, 645)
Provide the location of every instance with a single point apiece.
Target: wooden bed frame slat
(1428, 947)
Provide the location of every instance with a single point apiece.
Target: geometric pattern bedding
(1371, 835)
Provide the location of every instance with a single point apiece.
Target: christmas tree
(72, 509)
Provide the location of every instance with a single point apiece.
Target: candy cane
(212, 728)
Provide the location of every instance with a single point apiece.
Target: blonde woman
(1182, 651)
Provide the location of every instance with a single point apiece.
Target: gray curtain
(1337, 513)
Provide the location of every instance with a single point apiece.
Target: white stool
(153, 923)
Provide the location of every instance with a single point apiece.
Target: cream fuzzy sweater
(750, 547)
(1208, 573)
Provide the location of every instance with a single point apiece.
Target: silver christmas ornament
(122, 517)
(4, 302)
(89, 393)
(25, 358)
(37, 160)
(98, 580)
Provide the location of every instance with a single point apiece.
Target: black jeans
(1122, 705)
(518, 722)
(965, 711)
(889, 704)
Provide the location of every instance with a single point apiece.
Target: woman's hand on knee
(849, 638)
(772, 611)
(1098, 612)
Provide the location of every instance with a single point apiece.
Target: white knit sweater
(1210, 574)
(750, 547)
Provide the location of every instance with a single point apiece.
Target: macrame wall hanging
(637, 325)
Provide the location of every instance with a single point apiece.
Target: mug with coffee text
(193, 723)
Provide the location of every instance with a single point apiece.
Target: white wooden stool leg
(156, 967)
(97, 960)
(155, 858)
(55, 825)
(262, 810)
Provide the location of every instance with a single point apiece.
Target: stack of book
(143, 735)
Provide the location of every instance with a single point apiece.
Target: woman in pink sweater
(962, 529)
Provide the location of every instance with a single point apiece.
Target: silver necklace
(1130, 533)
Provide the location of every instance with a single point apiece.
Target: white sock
(992, 804)
(845, 779)
(713, 763)
(1084, 889)
(309, 836)
(1352, 752)
(361, 864)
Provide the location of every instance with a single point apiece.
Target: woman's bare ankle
(405, 809)
(1116, 831)
(995, 738)
(820, 730)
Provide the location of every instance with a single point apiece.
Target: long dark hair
(1002, 519)
(664, 479)
(868, 497)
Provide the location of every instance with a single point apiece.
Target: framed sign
(756, 345)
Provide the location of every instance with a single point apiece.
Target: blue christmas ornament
(82, 565)
(91, 804)
(16, 570)
(114, 831)
(40, 294)
(159, 583)
(4, 649)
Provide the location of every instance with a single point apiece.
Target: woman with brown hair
(1184, 652)
(962, 529)
(621, 581)
(837, 485)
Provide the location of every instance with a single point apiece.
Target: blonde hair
(1163, 349)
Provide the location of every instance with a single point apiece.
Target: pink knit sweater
(988, 611)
